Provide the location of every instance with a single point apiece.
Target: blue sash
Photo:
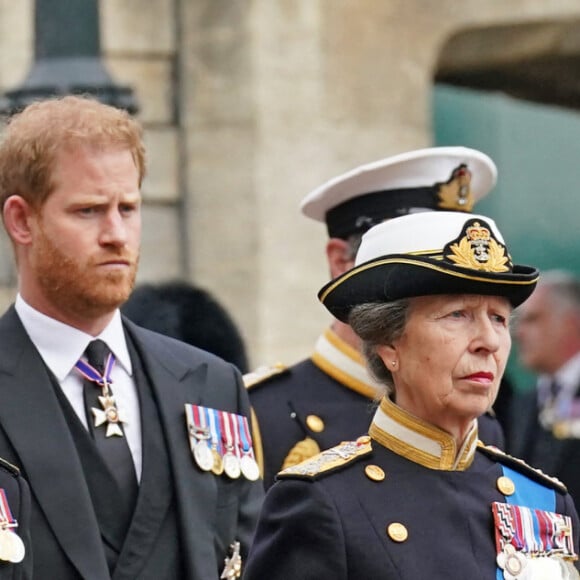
(529, 494)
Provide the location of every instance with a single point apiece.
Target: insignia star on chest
(233, 564)
(109, 414)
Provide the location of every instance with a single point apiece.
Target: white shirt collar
(61, 345)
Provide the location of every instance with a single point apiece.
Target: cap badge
(455, 193)
(477, 249)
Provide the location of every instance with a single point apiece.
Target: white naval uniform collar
(419, 441)
(61, 345)
(345, 364)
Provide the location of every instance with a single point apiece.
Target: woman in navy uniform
(431, 296)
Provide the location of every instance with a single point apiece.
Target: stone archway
(537, 62)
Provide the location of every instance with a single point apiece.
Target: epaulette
(262, 374)
(12, 469)
(522, 467)
(329, 460)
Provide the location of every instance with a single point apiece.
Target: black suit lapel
(196, 492)
(156, 486)
(33, 421)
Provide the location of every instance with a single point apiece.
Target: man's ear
(17, 214)
(339, 255)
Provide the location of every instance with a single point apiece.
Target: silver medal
(546, 568)
(249, 467)
(11, 547)
(203, 455)
(231, 465)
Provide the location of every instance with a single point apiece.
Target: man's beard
(79, 288)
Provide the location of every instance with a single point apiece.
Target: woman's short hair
(377, 324)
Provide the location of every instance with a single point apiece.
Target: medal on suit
(233, 563)
(202, 455)
(11, 545)
(109, 414)
(215, 437)
(220, 442)
(248, 464)
(199, 436)
(228, 427)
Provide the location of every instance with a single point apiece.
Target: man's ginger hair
(34, 138)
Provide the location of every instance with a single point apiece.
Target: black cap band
(359, 214)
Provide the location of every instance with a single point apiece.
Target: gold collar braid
(419, 441)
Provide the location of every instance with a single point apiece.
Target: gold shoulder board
(329, 460)
(522, 467)
(262, 374)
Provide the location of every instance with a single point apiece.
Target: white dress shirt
(61, 346)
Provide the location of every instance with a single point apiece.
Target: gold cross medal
(109, 414)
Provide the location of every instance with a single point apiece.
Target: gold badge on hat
(455, 193)
(477, 249)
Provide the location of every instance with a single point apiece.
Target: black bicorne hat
(426, 254)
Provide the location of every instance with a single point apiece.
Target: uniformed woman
(431, 297)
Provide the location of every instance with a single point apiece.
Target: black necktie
(114, 449)
(555, 389)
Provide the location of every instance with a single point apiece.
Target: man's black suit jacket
(212, 511)
(557, 457)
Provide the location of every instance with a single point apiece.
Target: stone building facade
(249, 104)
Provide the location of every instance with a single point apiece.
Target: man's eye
(87, 210)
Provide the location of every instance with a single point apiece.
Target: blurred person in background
(546, 418)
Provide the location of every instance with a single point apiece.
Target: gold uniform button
(397, 532)
(363, 439)
(505, 485)
(315, 423)
(374, 472)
